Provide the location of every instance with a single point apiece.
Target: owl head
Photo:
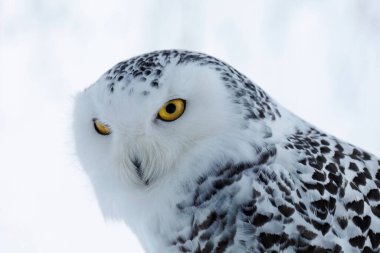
(148, 120)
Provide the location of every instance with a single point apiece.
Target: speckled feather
(299, 190)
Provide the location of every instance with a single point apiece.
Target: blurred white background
(320, 59)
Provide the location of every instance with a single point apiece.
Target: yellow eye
(172, 110)
(101, 128)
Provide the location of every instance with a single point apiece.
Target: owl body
(233, 172)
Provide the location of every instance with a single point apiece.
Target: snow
(320, 59)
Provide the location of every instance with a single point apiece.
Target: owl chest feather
(312, 204)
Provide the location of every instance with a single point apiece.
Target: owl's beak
(139, 171)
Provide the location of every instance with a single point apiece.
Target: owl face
(141, 128)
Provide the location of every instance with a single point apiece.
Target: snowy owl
(195, 157)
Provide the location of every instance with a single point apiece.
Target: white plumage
(231, 171)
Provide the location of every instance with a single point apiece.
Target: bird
(193, 156)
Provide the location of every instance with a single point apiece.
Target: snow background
(320, 59)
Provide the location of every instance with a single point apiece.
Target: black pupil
(170, 108)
